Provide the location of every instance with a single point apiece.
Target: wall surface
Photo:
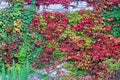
(82, 5)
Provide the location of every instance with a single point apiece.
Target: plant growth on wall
(88, 41)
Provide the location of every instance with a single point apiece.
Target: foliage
(112, 17)
(74, 18)
(16, 35)
(112, 67)
(76, 73)
(116, 32)
(83, 39)
(20, 73)
(47, 2)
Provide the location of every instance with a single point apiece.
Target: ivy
(112, 17)
(74, 18)
(112, 67)
(116, 32)
(76, 73)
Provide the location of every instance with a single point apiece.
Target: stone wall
(82, 5)
(3, 4)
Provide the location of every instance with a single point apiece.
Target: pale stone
(55, 6)
(3, 5)
(89, 8)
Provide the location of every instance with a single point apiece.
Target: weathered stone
(3, 5)
(35, 77)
